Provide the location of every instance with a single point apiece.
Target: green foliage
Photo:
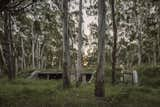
(149, 75)
(138, 97)
(26, 92)
(44, 93)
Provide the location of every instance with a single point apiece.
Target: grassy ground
(45, 93)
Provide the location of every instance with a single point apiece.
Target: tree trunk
(33, 47)
(23, 55)
(139, 36)
(38, 55)
(158, 40)
(41, 56)
(66, 54)
(3, 57)
(114, 57)
(99, 83)
(154, 54)
(139, 48)
(34, 38)
(8, 47)
(16, 64)
(79, 54)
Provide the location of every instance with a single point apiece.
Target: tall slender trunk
(139, 48)
(158, 40)
(34, 38)
(154, 54)
(139, 36)
(59, 64)
(114, 57)
(66, 54)
(38, 55)
(73, 57)
(149, 59)
(3, 66)
(44, 62)
(23, 54)
(99, 83)
(33, 46)
(8, 47)
(16, 64)
(2, 54)
(41, 56)
(79, 54)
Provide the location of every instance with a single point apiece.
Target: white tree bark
(33, 48)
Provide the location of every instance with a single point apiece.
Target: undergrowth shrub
(149, 75)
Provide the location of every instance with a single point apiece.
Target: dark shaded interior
(59, 75)
(50, 76)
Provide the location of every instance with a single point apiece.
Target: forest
(79, 53)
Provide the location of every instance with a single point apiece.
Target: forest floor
(49, 93)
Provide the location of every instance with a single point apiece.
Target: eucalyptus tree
(79, 53)
(44, 46)
(8, 46)
(128, 19)
(156, 15)
(158, 30)
(138, 24)
(99, 83)
(138, 30)
(66, 53)
(115, 42)
(34, 37)
(9, 8)
(152, 30)
(46, 33)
